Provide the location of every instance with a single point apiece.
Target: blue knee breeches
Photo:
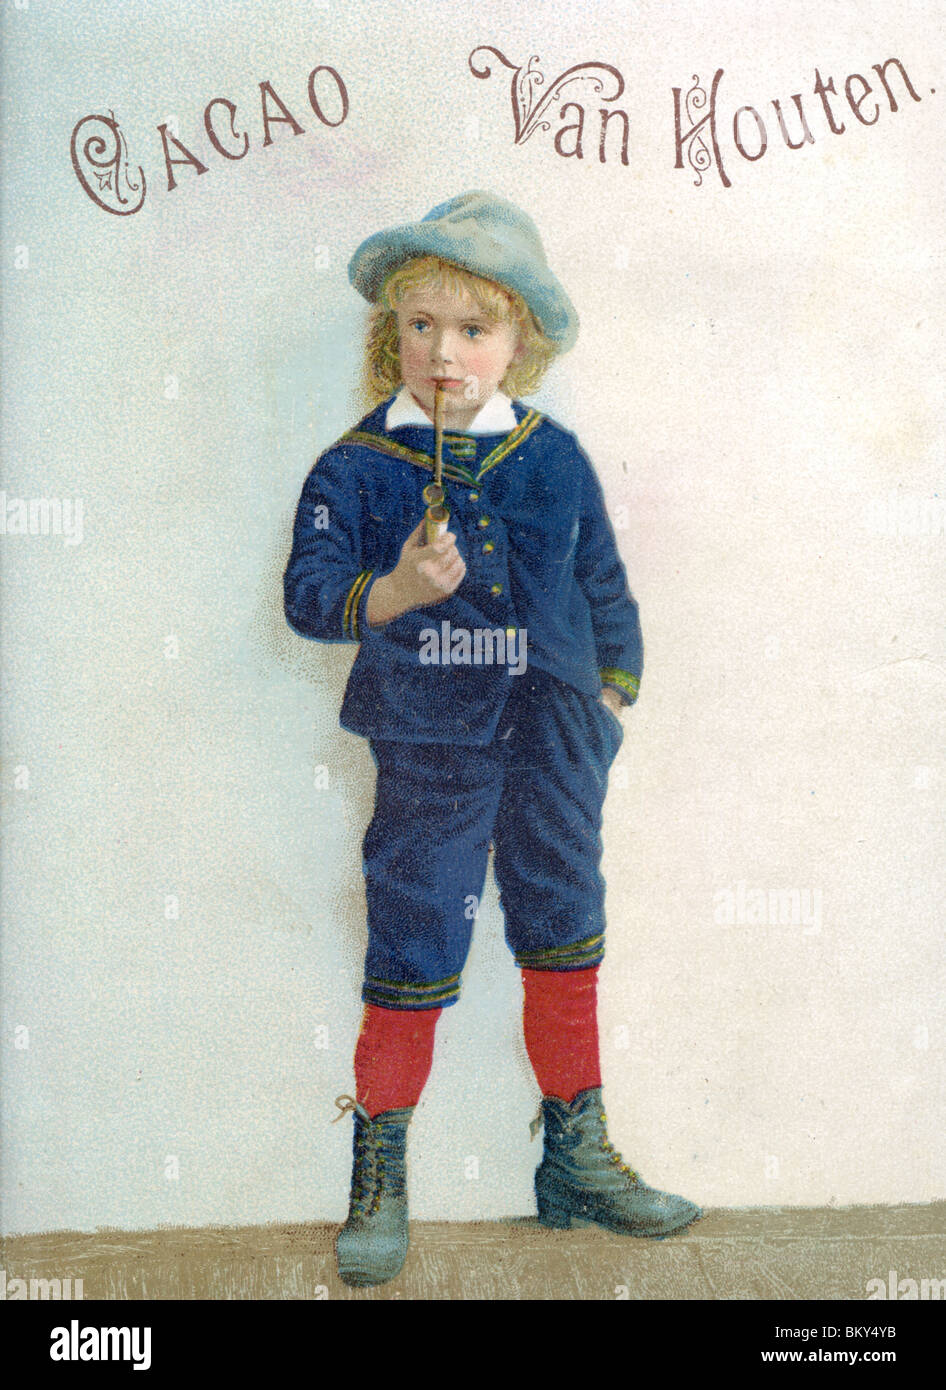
(536, 792)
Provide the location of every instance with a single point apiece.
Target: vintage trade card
(473, 537)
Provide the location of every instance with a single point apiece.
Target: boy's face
(447, 337)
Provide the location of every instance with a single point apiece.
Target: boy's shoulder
(373, 422)
(352, 449)
(554, 429)
(562, 443)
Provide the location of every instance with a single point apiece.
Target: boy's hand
(613, 700)
(427, 574)
(423, 575)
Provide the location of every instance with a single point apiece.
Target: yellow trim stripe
(564, 963)
(411, 985)
(613, 675)
(387, 446)
(349, 621)
(582, 961)
(400, 451)
(355, 630)
(526, 425)
(586, 947)
(409, 1001)
(529, 422)
(402, 996)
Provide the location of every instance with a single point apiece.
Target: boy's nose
(441, 349)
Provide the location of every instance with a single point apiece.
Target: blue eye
(420, 325)
(473, 331)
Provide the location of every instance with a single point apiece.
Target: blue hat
(484, 234)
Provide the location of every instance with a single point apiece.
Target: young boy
(472, 753)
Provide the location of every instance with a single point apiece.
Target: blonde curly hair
(381, 373)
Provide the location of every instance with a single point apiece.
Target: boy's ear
(519, 353)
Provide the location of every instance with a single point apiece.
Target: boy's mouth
(447, 382)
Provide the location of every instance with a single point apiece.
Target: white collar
(495, 417)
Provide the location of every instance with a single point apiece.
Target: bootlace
(614, 1157)
(604, 1143)
(346, 1104)
(368, 1167)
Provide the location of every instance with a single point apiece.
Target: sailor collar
(460, 447)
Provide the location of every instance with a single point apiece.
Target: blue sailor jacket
(541, 562)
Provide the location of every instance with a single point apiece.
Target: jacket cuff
(623, 681)
(354, 622)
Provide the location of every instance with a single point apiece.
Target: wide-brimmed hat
(484, 234)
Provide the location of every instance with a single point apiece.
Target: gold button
(487, 547)
(474, 496)
(511, 631)
(484, 521)
(496, 589)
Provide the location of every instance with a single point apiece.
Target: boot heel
(552, 1210)
(555, 1217)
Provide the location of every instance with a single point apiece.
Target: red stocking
(560, 1023)
(393, 1057)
